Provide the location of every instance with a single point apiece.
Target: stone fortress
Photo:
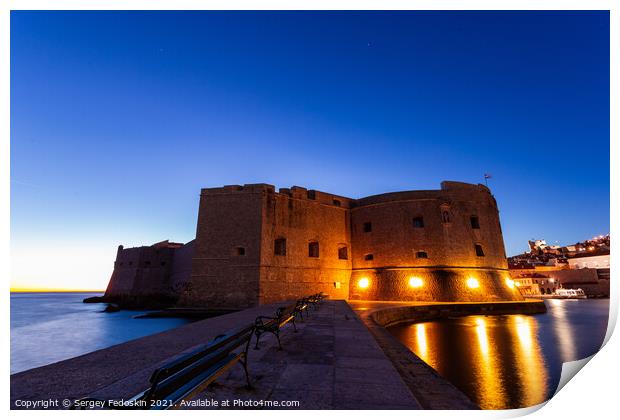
(255, 245)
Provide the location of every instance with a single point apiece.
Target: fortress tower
(255, 246)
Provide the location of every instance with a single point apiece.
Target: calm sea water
(509, 361)
(49, 327)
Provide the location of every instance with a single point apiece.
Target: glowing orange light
(421, 338)
(363, 283)
(510, 283)
(517, 284)
(415, 282)
(483, 339)
(473, 283)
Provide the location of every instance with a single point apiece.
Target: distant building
(592, 260)
(537, 245)
(536, 284)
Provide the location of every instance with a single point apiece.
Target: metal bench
(273, 324)
(315, 299)
(190, 373)
(302, 305)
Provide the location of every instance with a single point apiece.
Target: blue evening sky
(119, 118)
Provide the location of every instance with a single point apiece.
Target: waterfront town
(545, 270)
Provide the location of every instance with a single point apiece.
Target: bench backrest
(173, 374)
(286, 311)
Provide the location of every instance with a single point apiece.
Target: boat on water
(562, 293)
(559, 293)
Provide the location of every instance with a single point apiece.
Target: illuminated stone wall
(300, 217)
(436, 285)
(421, 245)
(413, 245)
(235, 264)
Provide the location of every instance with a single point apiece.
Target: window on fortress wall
(367, 227)
(336, 203)
(369, 257)
(313, 250)
(421, 254)
(311, 194)
(343, 253)
(475, 223)
(479, 250)
(445, 216)
(163, 263)
(418, 222)
(279, 246)
(147, 263)
(240, 251)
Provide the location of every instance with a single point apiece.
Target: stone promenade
(332, 362)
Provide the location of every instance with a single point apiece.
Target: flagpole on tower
(486, 177)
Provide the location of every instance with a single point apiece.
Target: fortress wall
(449, 244)
(301, 220)
(227, 248)
(181, 269)
(234, 263)
(394, 240)
(143, 275)
(154, 272)
(439, 285)
(124, 274)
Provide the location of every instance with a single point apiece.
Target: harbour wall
(393, 315)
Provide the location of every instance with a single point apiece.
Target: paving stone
(307, 376)
(361, 362)
(366, 394)
(368, 375)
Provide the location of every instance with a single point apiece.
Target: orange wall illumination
(473, 283)
(415, 282)
(363, 283)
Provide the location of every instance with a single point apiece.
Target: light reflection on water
(509, 361)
